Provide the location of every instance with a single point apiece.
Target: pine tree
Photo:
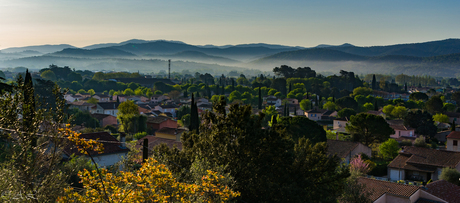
(233, 85)
(217, 89)
(290, 87)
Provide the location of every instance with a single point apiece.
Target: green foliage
(158, 92)
(186, 119)
(364, 91)
(442, 118)
(399, 112)
(434, 105)
(369, 128)
(451, 175)
(85, 118)
(368, 107)
(48, 75)
(420, 142)
(405, 143)
(389, 149)
(448, 107)
(302, 127)
(128, 91)
(346, 112)
(237, 141)
(388, 109)
(330, 106)
(347, 102)
(418, 96)
(92, 100)
(140, 135)
(422, 121)
(305, 104)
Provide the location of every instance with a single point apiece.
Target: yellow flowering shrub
(153, 182)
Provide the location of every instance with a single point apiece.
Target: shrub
(450, 175)
(140, 135)
(420, 142)
(405, 143)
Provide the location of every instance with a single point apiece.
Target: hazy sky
(221, 22)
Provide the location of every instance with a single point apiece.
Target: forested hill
(433, 48)
(100, 52)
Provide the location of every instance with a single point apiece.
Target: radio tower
(169, 69)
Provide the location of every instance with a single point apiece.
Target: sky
(222, 22)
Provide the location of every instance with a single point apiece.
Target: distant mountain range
(440, 58)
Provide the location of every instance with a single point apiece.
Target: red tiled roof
(341, 148)
(112, 146)
(454, 135)
(170, 131)
(444, 190)
(154, 141)
(424, 159)
(377, 188)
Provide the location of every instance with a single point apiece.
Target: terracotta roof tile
(377, 188)
(158, 119)
(341, 148)
(454, 135)
(424, 159)
(170, 131)
(154, 141)
(444, 190)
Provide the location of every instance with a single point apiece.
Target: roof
(452, 114)
(108, 105)
(317, 111)
(341, 119)
(341, 148)
(454, 135)
(81, 103)
(170, 131)
(424, 159)
(101, 95)
(169, 106)
(444, 190)
(154, 141)
(158, 119)
(113, 146)
(99, 116)
(398, 125)
(377, 113)
(204, 105)
(377, 188)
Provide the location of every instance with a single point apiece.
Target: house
(377, 113)
(113, 152)
(105, 119)
(109, 108)
(384, 191)
(339, 124)
(205, 106)
(401, 131)
(170, 133)
(120, 98)
(421, 164)
(320, 114)
(453, 116)
(72, 98)
(156, 123)
(81, 105)
(167, 108)
(444, 190)
(153, 141)
(158, 98)
(452, 141)
(102, 98)
(83, 95)
(272, 100)
(292, 101)
(346, 149)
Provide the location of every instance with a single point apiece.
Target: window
(455, 142)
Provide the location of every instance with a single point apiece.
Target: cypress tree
(374, 82)
(376, 108)
(217, 89)
(260, 99)
(405, 87)
(29, 106)
(316, 100)
(290, 87)
(194, 120)
(333, 99)
(233, 85)
(453, 126)
(185, 93)
(295, 111)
